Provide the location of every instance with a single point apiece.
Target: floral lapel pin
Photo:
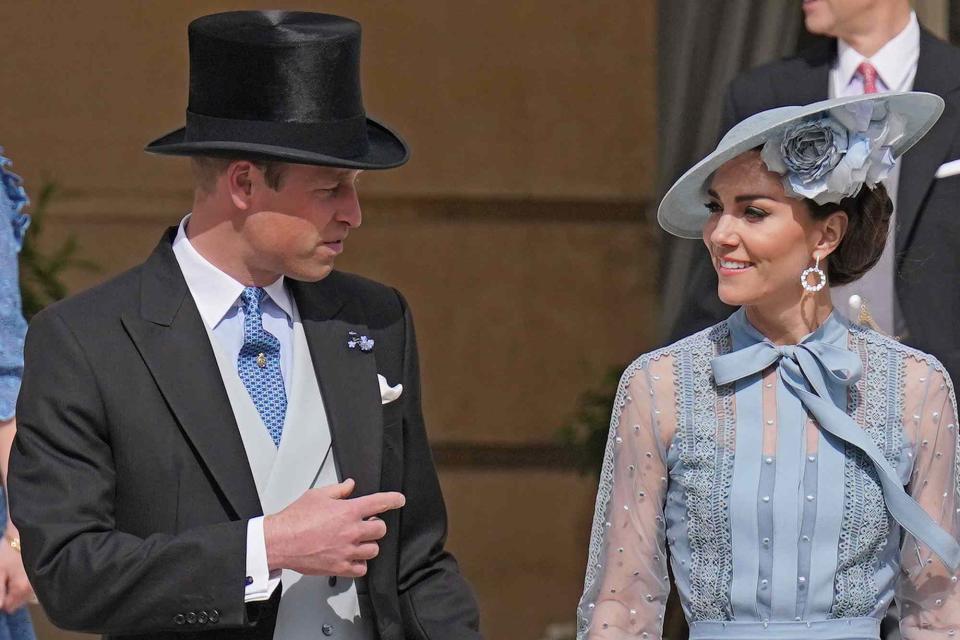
(355, 341)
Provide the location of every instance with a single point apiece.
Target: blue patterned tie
(259, 365)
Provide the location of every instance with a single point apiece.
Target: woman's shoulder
(872, 343)
(704, 344)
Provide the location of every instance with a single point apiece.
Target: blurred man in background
(873, 46)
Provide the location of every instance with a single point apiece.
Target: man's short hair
(206, 170)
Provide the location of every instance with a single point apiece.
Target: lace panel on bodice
(706, 432)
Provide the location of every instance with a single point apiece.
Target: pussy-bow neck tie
(810, 370)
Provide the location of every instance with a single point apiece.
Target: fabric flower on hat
(13, 198)
(830, 157)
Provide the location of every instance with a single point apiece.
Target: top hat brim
(682, 211)
(385, 149)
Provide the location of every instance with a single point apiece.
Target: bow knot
(787, 351)
(817, 365)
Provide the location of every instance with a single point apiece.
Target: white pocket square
(387, 393)
(948, 169)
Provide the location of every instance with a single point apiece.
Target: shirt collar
(213, 291)
(894, 61)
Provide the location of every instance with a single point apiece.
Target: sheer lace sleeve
(927, 591)
(626, 585)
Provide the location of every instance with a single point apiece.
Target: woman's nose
(724, 233)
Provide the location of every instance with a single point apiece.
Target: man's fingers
(358, 569)
(377, 503)
(372, 529)
(351, 569)
(366, 551)
(340, 491)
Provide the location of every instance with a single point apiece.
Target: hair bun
(868, 213)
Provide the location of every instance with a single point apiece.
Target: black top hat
(283, 85)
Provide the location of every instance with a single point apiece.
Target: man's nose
(349, 210)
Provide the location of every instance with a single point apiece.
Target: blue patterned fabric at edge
(258, 365)
(13, 328)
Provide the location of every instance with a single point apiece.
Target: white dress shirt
(896, 65)
(217, 296)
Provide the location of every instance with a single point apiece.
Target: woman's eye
(755, 213)
(713, 207)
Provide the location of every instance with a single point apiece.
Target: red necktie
(869, 74)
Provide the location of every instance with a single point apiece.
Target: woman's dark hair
(868, 215)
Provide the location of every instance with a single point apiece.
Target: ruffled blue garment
(13, 328)
(795, 491)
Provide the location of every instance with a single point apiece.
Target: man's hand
(15, 590)
(325, 533)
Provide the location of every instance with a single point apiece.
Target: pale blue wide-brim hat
(682, 211)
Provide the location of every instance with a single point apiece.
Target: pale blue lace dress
(13, 328)
(782, 495)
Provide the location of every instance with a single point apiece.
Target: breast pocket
(944, 203)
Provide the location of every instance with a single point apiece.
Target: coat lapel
(347, 377)
(921, 162)
(173, 343)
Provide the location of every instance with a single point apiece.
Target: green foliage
(585, 436)
(41, 273)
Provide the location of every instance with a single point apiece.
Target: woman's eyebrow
(741, 198)
(752, 196)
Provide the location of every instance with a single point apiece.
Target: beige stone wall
(541, 98)
(516, 230)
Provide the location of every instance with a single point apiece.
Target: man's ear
(239, 177)
(832, 230)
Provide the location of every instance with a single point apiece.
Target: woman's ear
(832, 230)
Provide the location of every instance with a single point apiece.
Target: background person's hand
(325, 533)
(15, 590)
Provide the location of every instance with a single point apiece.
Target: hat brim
(682, 211)
(386, 149)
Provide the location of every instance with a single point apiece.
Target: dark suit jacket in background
(927, 282)
(132, 488)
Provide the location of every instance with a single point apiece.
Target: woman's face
(759, 239)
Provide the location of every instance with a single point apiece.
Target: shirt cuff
(260, 582)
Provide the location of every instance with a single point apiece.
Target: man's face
(299, 229)
(837, 18)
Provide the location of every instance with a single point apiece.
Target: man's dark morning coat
(131, 487)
